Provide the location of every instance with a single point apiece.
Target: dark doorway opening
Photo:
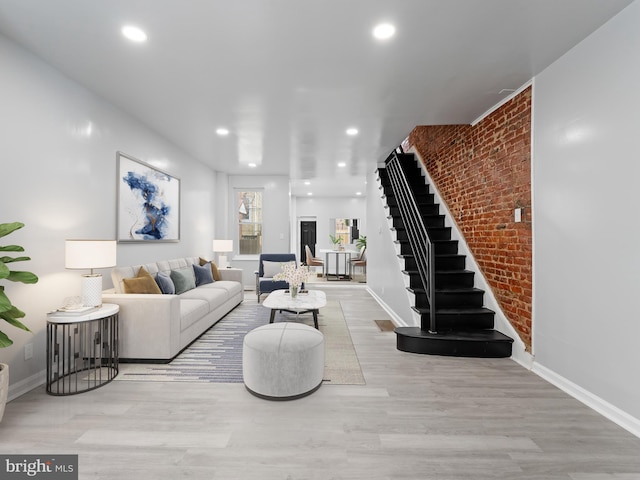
(307, 237)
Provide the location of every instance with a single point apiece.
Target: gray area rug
(216, 356)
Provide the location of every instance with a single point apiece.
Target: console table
(82, 350)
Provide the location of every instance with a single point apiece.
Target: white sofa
(157, 327)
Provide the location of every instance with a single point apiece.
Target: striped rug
(216, 356)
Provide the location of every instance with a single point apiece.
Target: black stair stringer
(464, 325)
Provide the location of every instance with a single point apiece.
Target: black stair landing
(464, 326)
(456, 343)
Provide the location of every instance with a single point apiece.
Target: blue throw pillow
(165, 283)
(203, 274)
(183, 279)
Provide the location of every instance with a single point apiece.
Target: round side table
(82, 350)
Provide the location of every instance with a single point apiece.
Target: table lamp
(90, 254)
(222, 246)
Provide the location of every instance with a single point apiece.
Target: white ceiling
(288, 77)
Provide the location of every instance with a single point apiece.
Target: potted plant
(361, 242)
(9, 312)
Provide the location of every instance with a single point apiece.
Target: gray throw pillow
(203, 274)
(183, 279)
(272, 268)
(165, 283)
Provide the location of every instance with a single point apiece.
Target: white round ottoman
(283, 361)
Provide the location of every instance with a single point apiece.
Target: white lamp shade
(83, 254)
(223, 245)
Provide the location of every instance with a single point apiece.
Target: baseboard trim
(604, 408)
(398, 321)
(23, 386)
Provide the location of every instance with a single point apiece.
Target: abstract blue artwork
(148, 202)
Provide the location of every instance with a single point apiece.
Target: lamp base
(92, 290)
(222, 261)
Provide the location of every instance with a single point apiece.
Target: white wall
(59, 179)
(323, 209)
(586, 327)
(384, 277)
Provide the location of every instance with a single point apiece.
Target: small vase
(294, 292)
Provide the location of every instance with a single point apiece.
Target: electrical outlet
(28, 351)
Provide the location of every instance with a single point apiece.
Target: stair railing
(419, 241)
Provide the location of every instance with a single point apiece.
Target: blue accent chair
(267, 284)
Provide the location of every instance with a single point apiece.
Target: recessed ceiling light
(309, 193)
(307, 182)
(252, 165)
(222, 131)
(384, 31)
(342, 164)
(134, 34)
(352, 131)
(358, 193)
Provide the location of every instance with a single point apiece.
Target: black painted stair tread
(468, 335)
(456, 310)
(459, 343)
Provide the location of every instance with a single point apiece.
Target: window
(249, 222)
(342, 230)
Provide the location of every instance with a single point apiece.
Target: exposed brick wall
(483, 173)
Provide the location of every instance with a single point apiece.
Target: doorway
(307, 237)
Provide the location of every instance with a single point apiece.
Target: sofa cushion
(203, 274)
(183, 279)
(163, 279)
(191, 311)
(213, 296)
(232, 288)
(214, 268)
(142, 283)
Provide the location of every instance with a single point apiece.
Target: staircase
(459, 325)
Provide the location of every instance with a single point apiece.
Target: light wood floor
(418, 417)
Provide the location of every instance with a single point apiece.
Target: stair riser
(445, 280)
(442, 263)
(435, 233)
(439, 233)
(452, 299)
(451, 263)
(440, 248)
(429, 221)
(453, 348)
(459, 321)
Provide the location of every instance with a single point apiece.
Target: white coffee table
(308, 302)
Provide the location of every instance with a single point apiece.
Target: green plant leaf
(15, 322)
(13, 259)
(7, 228)
(4, 340)
(11, 248)
(4, 270)
(8, 312)
(24, 277)
(5, 303)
